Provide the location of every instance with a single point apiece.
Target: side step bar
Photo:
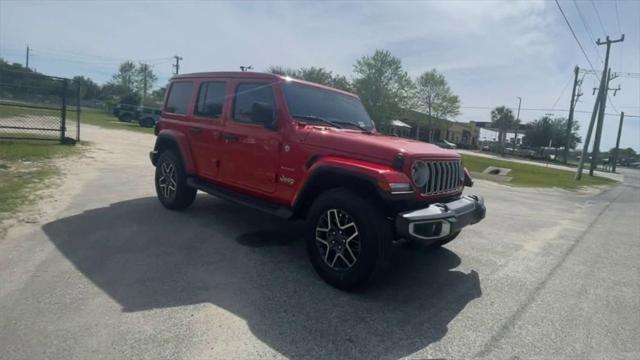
(234, 196)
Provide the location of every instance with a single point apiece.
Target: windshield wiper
(317, 118)
(354, 125)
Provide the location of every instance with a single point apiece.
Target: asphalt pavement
(549, 274)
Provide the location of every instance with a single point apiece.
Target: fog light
(400, 188)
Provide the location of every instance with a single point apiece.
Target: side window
(251, 98)
(179, 97)
(210, 99)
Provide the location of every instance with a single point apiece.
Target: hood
(374, 146)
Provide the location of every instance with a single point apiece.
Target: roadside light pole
(515, 137)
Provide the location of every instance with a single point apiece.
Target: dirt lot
(105, 272)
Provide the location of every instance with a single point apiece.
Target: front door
(251, 150)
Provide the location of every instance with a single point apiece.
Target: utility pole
(587, 139)
(604, 92)
(615, 152)
(515, 138)
(27, 62)
(145, 70)
(572, 106)
(598, 136)
(177, 64)
(602, 96)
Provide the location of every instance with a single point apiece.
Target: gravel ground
(105, 272)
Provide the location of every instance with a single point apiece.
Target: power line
(595, 9)
(574, 34)
(618, 16)
(562, 92)
(585, 23)
(541, 109)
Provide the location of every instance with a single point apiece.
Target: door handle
(196, 130)
(230, 137)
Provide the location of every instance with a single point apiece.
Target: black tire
(367, 255)
(146, 122)
(417, 244)
(126, 117)
(170, 174)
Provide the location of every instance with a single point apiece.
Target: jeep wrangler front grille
(444, 176)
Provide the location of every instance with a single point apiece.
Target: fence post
(63, 117)
(78, 113)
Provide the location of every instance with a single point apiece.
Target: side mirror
(265, 114)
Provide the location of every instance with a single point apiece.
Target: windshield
(309, 102)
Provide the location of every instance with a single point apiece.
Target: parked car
(300, 150)
(148, 117)
(525, 151)
(125, 112)
(446, 145)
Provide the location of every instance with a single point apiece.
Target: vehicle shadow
(255, 265)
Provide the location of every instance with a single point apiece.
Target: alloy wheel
(167, 181)
(338, 239)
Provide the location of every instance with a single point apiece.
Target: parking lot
(106, 272)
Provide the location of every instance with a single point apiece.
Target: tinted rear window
(210, 99)
(179, 97)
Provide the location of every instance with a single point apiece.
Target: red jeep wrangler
(300, 150)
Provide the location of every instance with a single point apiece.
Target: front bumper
(440, 220)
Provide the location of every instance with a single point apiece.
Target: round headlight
(420, 173)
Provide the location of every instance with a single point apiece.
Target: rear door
(177, 109)
(209, 115)
(251, 151)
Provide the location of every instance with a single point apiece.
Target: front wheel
(171, 182)
(346, 237)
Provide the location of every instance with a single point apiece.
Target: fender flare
(374, 174)
(181, 143)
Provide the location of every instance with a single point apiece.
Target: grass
(7, 111)
(25, 167)
(87, 116)
(534, 176)
(106, 120)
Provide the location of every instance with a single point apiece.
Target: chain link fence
(39, 107)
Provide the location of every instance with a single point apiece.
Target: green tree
(551, 132)
(145, 80)
(127, 77)
(88, 89)
(502, 119)
(434, 97)
(314, 74)
(323, 76)
(317, 75)
(157, 96)
(284, 71)
(128, 84)
(383, 85)
(341, 82)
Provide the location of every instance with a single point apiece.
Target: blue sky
(490, 52)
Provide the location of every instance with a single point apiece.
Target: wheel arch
(170, 139)
(329, 177)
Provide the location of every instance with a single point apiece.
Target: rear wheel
(146, 122)
(171, 182)
(126, 117)
(346, 237)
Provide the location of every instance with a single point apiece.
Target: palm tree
(502, 119)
